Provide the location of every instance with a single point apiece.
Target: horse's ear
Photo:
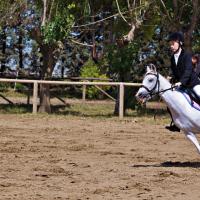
(153, 67)
(148, 68)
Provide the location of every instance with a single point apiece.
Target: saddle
(191, 96)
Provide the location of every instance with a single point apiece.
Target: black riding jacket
(183, 72)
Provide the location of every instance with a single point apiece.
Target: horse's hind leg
(193, 139)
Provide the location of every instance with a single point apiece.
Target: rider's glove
(169, 78)
(178, 84)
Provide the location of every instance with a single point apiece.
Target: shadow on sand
(171, 164)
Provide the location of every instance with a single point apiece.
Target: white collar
(178, 53)
(176, 56)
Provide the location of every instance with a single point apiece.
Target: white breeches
(196, 89)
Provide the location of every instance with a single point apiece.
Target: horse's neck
(168, 96)
(164, 83)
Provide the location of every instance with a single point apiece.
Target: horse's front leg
(193, 139)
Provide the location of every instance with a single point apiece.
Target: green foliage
(91, 70)
(121, 61)
(60, 26)
(20, 86)
(196, 41)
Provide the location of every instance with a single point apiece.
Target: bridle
(157, 84)
(151, 92)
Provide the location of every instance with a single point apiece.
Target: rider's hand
(178, 84)
(169, 78)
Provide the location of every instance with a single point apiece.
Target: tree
(49, 32)
(9, 12)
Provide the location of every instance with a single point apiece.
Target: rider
(196, 63)
(181, 67)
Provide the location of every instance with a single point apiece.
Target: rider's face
(194, 60)
(174, 45)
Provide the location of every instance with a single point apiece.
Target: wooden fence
(36, 83)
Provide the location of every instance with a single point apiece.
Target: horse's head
(150, 84)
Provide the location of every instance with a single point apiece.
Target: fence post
(121, 100)
(35, 97)
(84, 93)
(28, 94)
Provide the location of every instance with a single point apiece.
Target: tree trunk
(45, 105)
(20, 48)
(3, 60)
(193, 24)
(116, 109)
(48, 65)
(188, 42)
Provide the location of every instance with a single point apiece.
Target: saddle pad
(190, 101)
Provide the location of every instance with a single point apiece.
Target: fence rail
(36, 83)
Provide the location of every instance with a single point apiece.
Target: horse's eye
(151, 80)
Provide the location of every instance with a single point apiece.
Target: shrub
(91, 70)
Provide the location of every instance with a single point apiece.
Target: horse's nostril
(139, 94)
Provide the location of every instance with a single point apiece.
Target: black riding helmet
(176, 36)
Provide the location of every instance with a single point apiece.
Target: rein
(162, 91)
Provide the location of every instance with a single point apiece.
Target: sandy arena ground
(62, 157)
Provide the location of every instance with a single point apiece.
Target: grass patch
(86, 109)
(15, 108)
(13, 93)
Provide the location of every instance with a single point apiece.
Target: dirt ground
(62, 157)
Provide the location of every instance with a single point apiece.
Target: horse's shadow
(171, 164)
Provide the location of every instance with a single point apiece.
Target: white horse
(184, 115)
